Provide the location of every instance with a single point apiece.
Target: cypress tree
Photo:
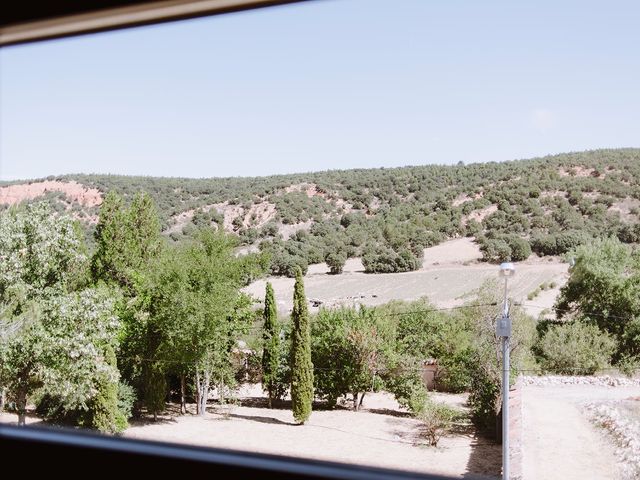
(301, 366)
(271, 351)
(103, 409)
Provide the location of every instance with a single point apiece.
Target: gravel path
(558, 441)
(621, 421)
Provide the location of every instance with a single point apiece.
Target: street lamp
(503, 329)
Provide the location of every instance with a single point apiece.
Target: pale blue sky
(325, 85)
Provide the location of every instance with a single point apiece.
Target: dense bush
(347, 351)
(335, 261)
(401, 377)
(575, 348)
(381, 259)
(520, 249)
(558, 243)
(495, 250)
(425, 334)
(499, 248)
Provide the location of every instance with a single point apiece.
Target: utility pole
(503, 330)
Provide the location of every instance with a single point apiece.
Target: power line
(386, 314)
(402, 369)
(587, 314)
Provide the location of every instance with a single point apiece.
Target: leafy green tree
(196, 308)
(127, 242)
(426, 334)
(301, 365)
(383, 259)
(347, 351)
(603, 290)
(271, 349)
(126, 238)
(485, 363)
(575, 348)
(52, 340)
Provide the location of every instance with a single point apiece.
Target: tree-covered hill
(388, 215)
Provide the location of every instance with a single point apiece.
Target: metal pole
(505, 409)
(505, 394)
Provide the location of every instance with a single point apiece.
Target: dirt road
(558, 441)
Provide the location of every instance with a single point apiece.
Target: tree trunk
(197, 394)
(355, 401)
(21, 405)
(2, 398)
(361, 399)
(203, 387)
(183, 402)
(270, 397)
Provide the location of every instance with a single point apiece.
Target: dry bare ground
(76, 192)
(382, 434)
(558, 440)
(450, 271)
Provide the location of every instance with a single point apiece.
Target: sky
(329, 84)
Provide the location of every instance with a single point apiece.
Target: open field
(449, 272)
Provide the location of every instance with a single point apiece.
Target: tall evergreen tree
(271, 351)
(128, 242)
(127, 239)
(301, 366)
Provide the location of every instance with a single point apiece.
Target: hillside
(385, 216)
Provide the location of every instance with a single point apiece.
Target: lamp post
(503, 329)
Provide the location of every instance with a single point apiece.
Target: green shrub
(484, 398)
(575, 348)
(630, 343)
(126, 399)
(335, 261)
(283, 263)
(520, 248)
(437, 420)
(382, 259)
(495, 250)
(401, 377)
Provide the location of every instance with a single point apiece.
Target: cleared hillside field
(450, 272)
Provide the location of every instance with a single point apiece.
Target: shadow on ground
(262, 402)
(388, 411)
(260, 419)
(485, 460)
